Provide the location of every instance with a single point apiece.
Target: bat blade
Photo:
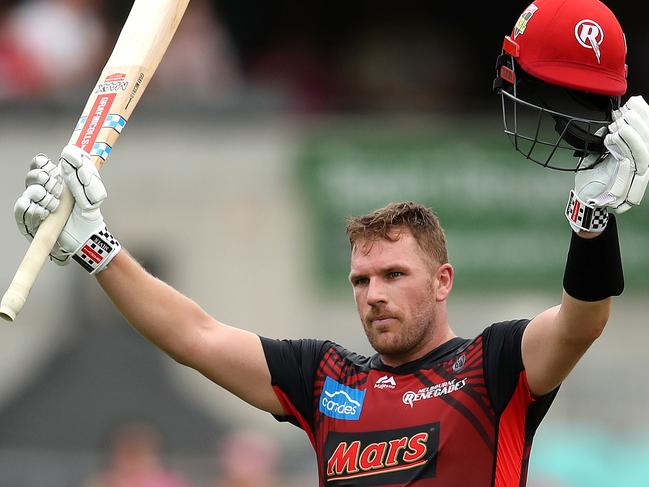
(143, 41)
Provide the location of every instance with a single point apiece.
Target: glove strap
(95, 254)
(583, 216)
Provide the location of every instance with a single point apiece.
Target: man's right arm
(230, 357)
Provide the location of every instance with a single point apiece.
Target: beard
(404, 338)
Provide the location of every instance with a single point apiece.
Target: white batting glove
(620, 180)
(43, 185)
(85, 237)
(630, 140)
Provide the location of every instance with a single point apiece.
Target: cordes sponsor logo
(341, 402)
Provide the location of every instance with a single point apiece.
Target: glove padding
(44, 185)
(619, 181)
(85, 237)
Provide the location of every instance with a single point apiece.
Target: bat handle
(37, 253)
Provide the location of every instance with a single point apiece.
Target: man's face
(395, 289)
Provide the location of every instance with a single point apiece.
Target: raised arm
(230, 357)
(556, 339)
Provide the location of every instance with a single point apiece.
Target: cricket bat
(141, 44)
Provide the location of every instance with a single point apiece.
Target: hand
(85, 237)
(629, 140)
(620, 180)
(44, 185)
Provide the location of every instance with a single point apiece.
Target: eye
(394, 274)
(360, 281)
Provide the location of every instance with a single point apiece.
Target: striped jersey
(461, 416)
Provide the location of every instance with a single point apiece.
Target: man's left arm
(556, 339)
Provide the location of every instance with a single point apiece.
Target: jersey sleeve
(503, 359)
(293, 365)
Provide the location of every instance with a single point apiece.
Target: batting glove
(44, 185)
(85, 237)
(620, 180)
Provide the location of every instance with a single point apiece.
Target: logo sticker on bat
(113, 84)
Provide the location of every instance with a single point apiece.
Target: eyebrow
(400, 267)
(355, 275)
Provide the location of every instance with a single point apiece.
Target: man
(430, 408)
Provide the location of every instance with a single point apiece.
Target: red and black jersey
(461, 416)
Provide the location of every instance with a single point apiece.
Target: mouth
(381, 321)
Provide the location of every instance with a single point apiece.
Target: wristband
(583, 216)
(594, 266)
(95, 254)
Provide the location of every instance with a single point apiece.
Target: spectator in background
(50, 46)
(247, 459)
(135, 461)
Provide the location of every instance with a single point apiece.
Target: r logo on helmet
(590, 35)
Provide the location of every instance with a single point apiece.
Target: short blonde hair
(422, 222)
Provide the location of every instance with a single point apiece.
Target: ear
(444, 281)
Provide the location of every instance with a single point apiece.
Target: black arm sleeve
(503, 359)
(293, 365)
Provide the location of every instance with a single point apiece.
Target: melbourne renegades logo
(382, 457)
(590, 35)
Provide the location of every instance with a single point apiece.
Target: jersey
(460, 416)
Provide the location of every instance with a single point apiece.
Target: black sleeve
(503, 359)
(293, 365)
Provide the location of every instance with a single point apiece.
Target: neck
(442, 336)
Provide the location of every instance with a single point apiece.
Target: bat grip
(36, 255)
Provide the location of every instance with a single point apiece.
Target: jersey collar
(435, 355)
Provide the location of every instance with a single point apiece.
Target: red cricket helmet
(564, 64)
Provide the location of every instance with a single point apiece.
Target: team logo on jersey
(382, 457)
(437, 390)
(590, 35)
(459, 364)
(521, 23)
(341, 402)
(385, 382)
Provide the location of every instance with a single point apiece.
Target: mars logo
(382, 457)
(590, 35)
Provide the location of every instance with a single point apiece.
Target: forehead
(384, 253)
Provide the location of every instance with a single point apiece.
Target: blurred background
(266, 124)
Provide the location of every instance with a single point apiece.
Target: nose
(376, 293)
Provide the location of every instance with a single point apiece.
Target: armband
(583, 216)
(594, 266)
(95, 254)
